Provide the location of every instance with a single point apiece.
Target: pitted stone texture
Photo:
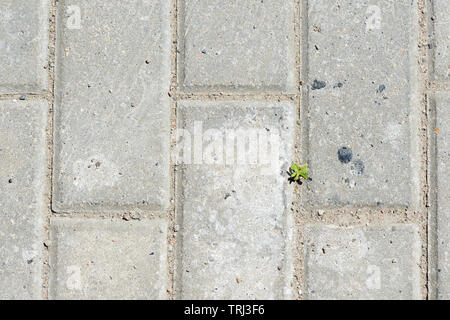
(101, 259)
(362, 128)
(112, 108)
(443, 195)
(362, 262)
(235, 225)
(23, 46)
(22, 188)
(237, 45)
(441, 26)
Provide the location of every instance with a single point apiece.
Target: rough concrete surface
(362, 263)
(362, 124)
(23, 46)
(112, 109)
(234, 217)
(237, 45)
(441, 43)
(100, 259)
(22, 187)
(442, 157)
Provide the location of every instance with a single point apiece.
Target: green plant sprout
(295, 173)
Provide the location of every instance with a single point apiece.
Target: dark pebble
(318, 85)
(345, 154)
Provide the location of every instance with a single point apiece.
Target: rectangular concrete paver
(237, 45)
(441, 27)
(101, 259)
(22, 187)
(361, 124)
(23, 46)
(112, 108)
(442, 187)
(362, 262)
(235, 223)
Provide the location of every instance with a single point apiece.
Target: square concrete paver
(237, 45)
(101, 259)
(362, 262)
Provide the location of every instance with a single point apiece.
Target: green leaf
(296, 172)
(304, 171)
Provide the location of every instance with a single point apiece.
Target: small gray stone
(237, 45)
(442, 187)
(23, 46)
(317, 85)
(105, 149)
(101, 259)
(237, 246)
(357, 262)
(441, 61)
(361, 139)
(22, 189)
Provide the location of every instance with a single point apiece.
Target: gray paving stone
(442, 233)
(23, 46)
(235, 225)
(22, 188)
(361, 137)
(362, 262)
(112, 108)
(237, 45)
(101, 259)
(441, 22)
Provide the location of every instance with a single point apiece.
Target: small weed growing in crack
(295, 173)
